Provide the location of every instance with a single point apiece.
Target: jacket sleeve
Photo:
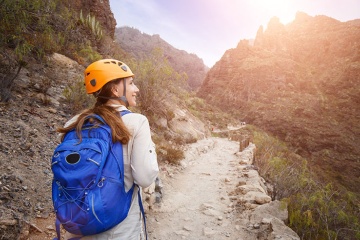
(143, 155)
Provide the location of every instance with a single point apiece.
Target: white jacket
(141, 167)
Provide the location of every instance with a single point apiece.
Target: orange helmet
(103, 71)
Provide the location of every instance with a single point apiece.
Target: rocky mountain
(300, 82)
(140, 45)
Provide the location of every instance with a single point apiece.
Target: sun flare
(283, 9)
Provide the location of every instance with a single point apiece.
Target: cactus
(90, 22)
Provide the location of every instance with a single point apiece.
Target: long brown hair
(119, 131)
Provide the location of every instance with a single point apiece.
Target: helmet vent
(124, 68)
(93, 82)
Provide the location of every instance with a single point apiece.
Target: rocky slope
(299, 82)
(28, 122)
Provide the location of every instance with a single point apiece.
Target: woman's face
(131, 90)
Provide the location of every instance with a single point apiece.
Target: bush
(168, 147)
(324, 213)
(88, 55)
(9, 70)
(76, 97)
(170, 154)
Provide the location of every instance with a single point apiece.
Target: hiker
(111, 82)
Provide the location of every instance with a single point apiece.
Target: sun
(283, 9)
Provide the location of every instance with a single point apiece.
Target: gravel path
(196, 203)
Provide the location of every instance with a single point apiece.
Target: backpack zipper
(93, 209)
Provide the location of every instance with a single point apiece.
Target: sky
(208, 28)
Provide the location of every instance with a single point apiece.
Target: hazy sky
(208, 28)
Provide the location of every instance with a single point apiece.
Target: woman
(112, 83)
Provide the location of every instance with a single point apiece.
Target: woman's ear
(115, 90)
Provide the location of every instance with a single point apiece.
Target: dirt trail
(196, 203)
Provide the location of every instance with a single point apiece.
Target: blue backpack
(88, 191)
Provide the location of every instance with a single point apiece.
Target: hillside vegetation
(140, 45)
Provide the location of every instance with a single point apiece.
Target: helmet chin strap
(122, 98)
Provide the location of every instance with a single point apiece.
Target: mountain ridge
(141, 45)
(299, 82)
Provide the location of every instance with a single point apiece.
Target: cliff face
(299, 82)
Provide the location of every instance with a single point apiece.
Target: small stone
(187, 228)
(52, 110)
(266, 221)
(50, 227)
(208, 232)
(256, 226)
(8, 222)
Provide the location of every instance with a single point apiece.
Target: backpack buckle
(101, 182)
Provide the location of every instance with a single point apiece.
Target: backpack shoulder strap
(124, 112)
(142, 211)
(97, 117)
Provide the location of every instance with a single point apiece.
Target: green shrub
(76, 97)
(89, 55)
(324, 213)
